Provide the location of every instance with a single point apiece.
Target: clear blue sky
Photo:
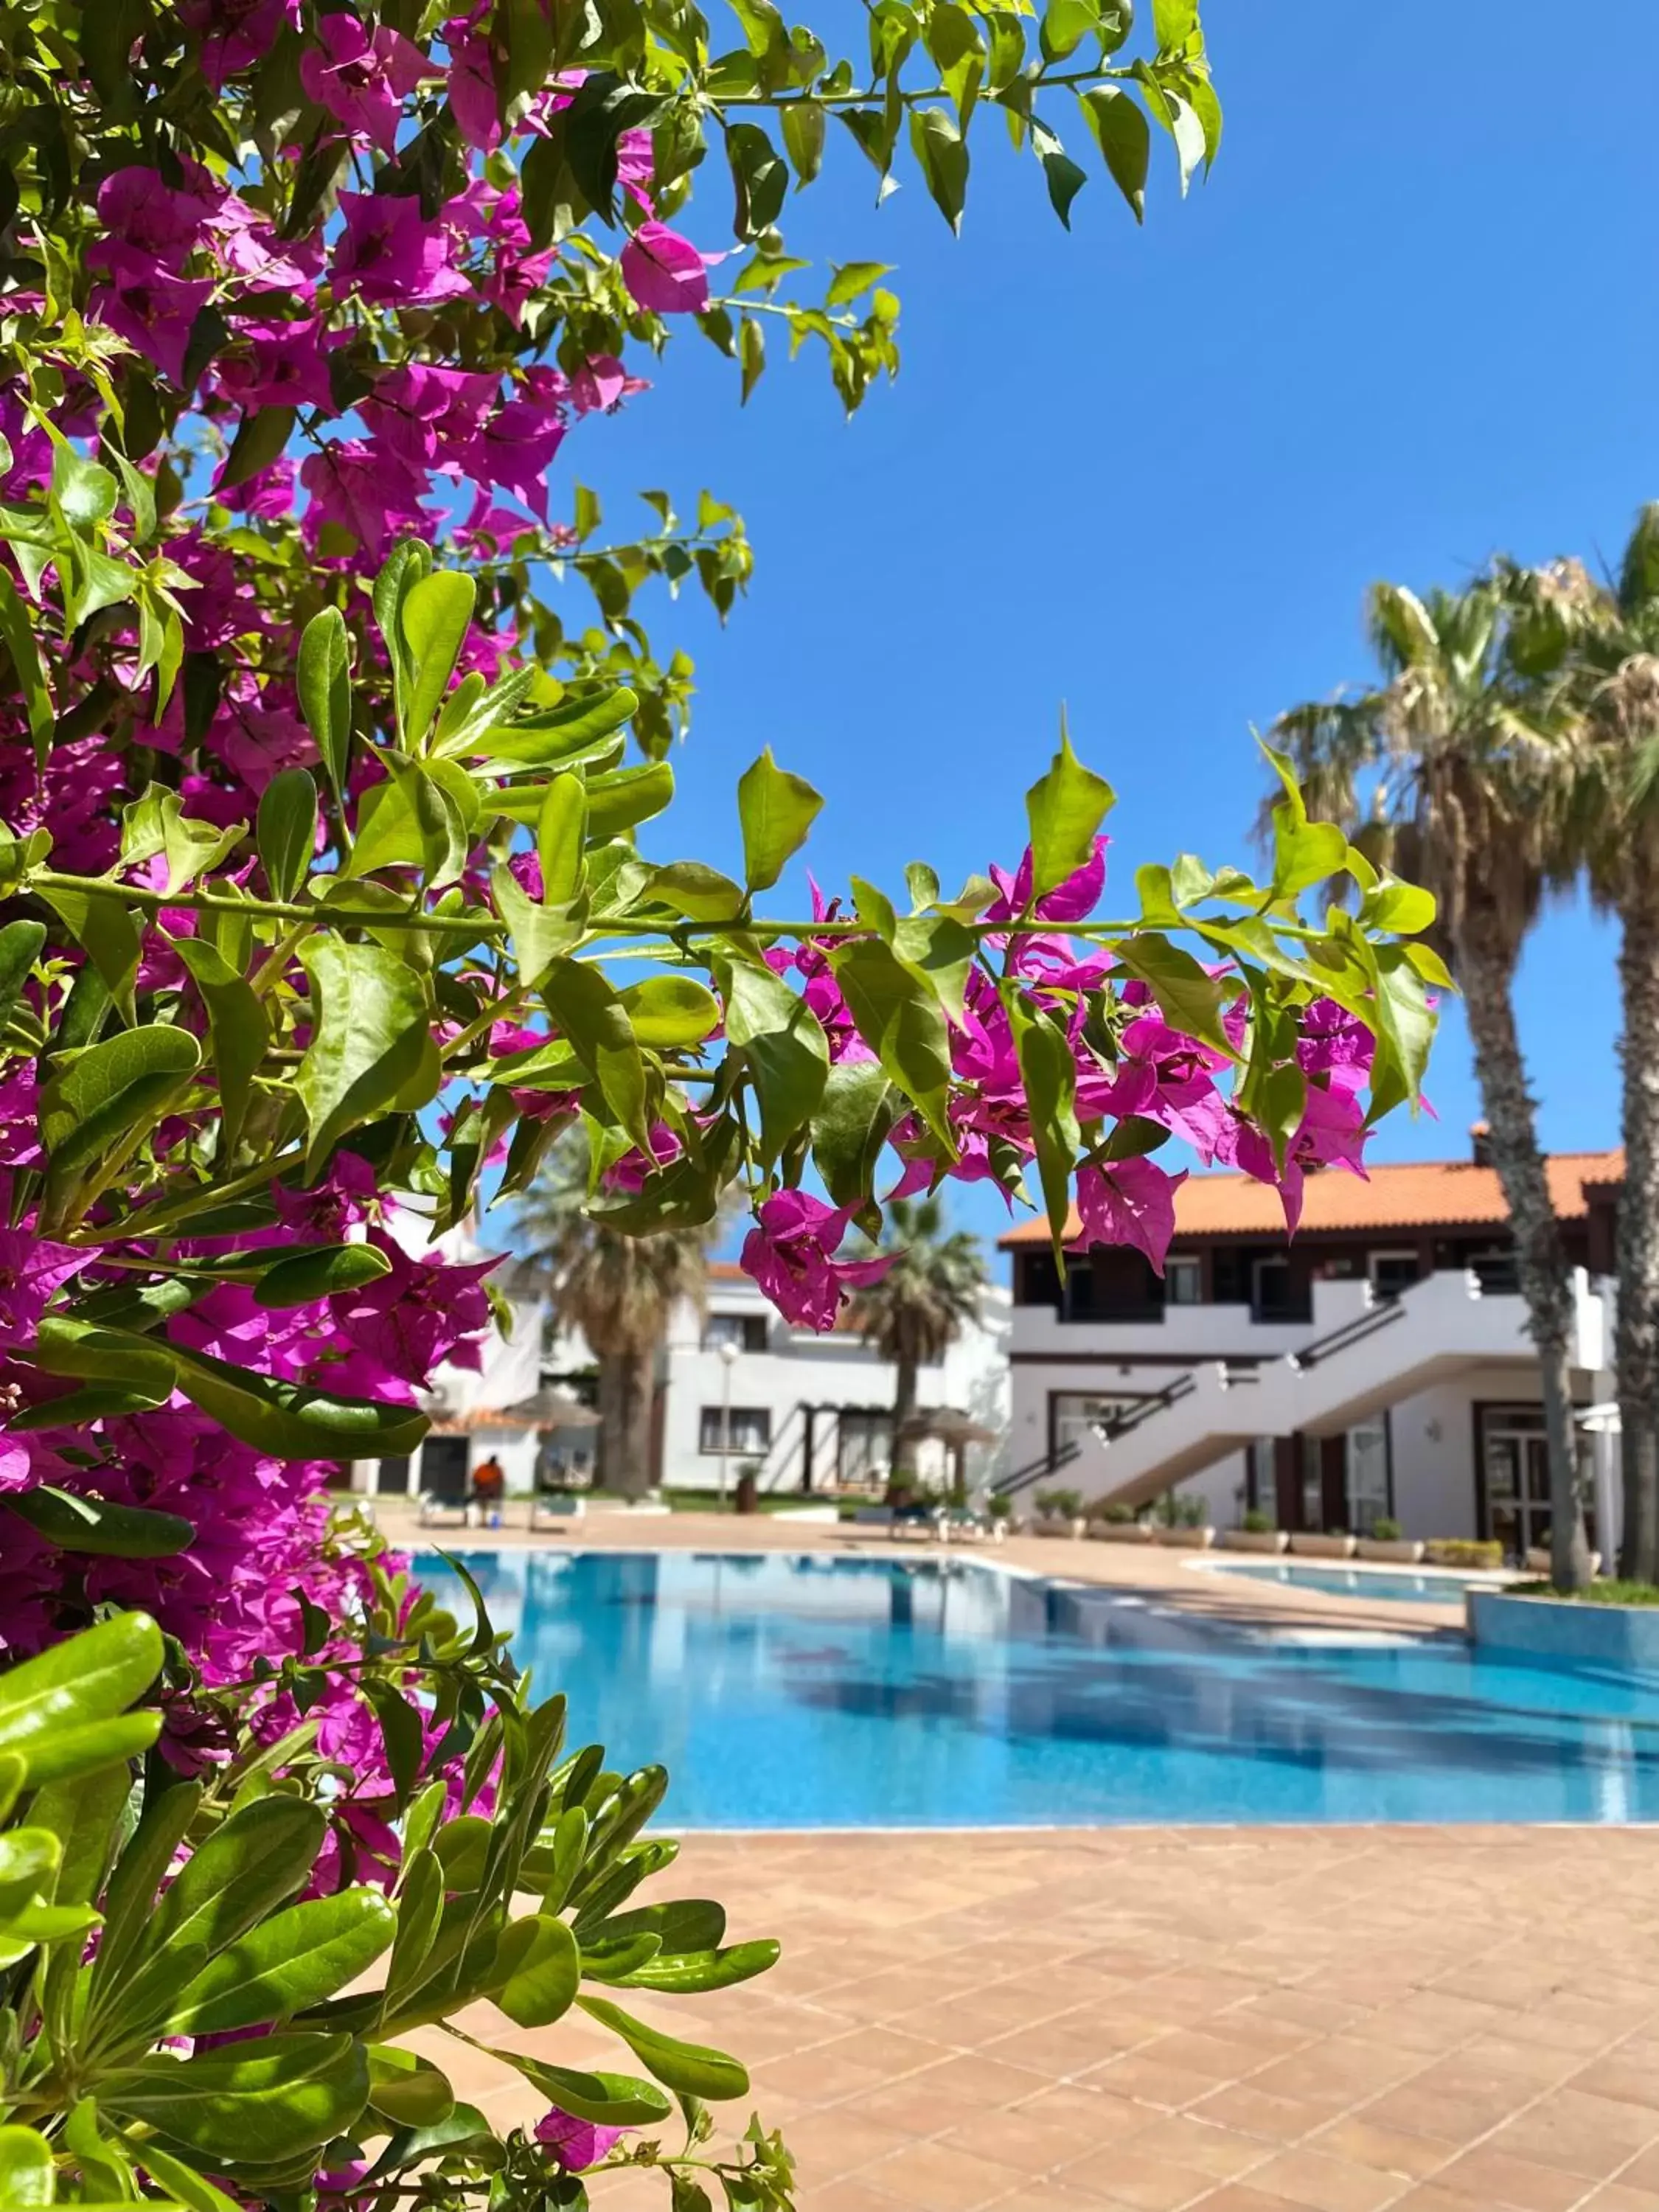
(1410, 320)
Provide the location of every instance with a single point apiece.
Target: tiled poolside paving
(1341, 2019)
(1259, 2019)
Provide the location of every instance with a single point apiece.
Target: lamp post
(728, 1361)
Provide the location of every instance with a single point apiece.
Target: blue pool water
(1364, 1581)
(784, 1692)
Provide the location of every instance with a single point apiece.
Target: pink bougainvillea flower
(150, 309)
(418, 1315)
(664, 273)
(362, 80)
(235, 34)
(1131, 1202)
(788, 1253)
(575, 2144)
(135, 207)
(472, 82)
(513, 452)
(31, 1269)
(369, 494)
(423, 414)
(600, 385)
(391, 256)
(286, 366)
(1074, 900)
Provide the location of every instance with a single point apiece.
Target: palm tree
(619, 1290)
(1444, 772)
(919, 1308)
(1599, 644)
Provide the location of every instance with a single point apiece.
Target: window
(746, 1331)
(1313, 1483)
(1274, 1293)
(750, 1431)
(1367, 1472)
(1073, 1415)
(1183, 1282)
(863, 1446)
(1392, 1272)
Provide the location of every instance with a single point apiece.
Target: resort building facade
(1376, 1367)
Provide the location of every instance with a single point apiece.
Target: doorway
(1514, 1478)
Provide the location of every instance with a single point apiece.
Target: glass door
(1515, 1461)
(1367, 1472)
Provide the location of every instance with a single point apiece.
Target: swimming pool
(787, 1691)
(1433, 1588)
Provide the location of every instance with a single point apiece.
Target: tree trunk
(1486, 971)
(626, 1383)
(1637, 1353)
(904, 1474)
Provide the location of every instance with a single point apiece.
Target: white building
(736, 1387)
(1377, 1367)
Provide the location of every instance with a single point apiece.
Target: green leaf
(776, 809)
(784, 1049)
(849, 1128)
(370, 1045)
(193, 2190)
(562, 838)
(938, 143)
(97, 1525)
(1403, 908)
(609, 2101)
(324, 681)
(1189, 1000)
(1064, 179)
(1066, 808)
(408, 2088)
(1125, 140)
(290, 1421)
(691, 889)
(435, 616)
(65, 1713)
(28, 2173)
(1401, 1014)
(248, 2103)
(259, 440)
(287, 830)
(852, 278)
(760, 178)
(671, 1012)
(592, 1018)
(900, 1019)
(803, 138)
(627, 796)
(295, 1959)
(1048, 1075)
(751, 353)
(555, 735)
(305, 1277)
(145, 1860)
(689, 2069)
(543, 1970)
(689, 1973)
(114, 1092)
(538, 934)
(18, 635)
(21, 944)
(99, 922)
(238, 1031)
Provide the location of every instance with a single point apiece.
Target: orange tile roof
(1413, 1194)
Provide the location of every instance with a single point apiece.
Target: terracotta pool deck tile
(1309, 2011)
(1617, 2197)
(812, 2077)
(826, 2145)
(1030, 2142)
(1207, 2149)
(1627, 2076)
(1253, 2111)
(1220, 2057)
(1595, 2136)
(990, 2084)
(936, 2179)
(1499, 2182)
(1358, 2139)
(1147, 2079)
(1314, 2178)
(1127, 2176)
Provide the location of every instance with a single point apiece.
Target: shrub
(1257, 1521)
(1463, 1552)
(1386, 1531)
(1061, 1504)
(1116, 1515)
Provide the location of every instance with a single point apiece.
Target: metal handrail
(1381, 1315)
(1034, 1470)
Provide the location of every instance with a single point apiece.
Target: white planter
(1399, 1550)
(1312, 1547)
(1118, 1532)
(1056, 1524)
(1252, 1540)
(1185, 1539)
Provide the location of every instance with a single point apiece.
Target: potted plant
(1182, 1522)
(1387, 1541)
(1059, 1513)
(1481, 1557)
(1116, 1524)
(1255, 1532)
(1323, 1543)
